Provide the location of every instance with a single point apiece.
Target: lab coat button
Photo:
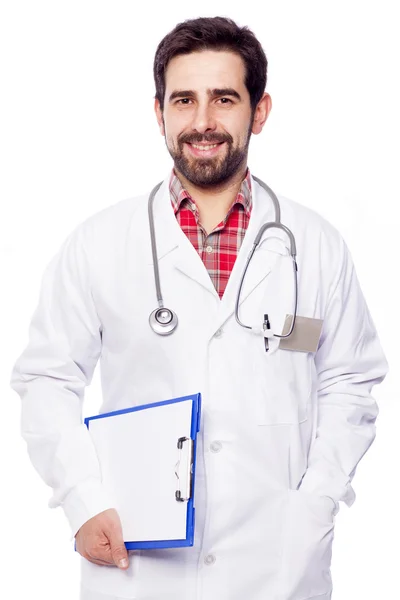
(210, 559)
(215, 446)
(218, 333)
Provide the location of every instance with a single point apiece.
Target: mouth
(204, 150)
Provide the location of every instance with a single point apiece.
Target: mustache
(199, 138)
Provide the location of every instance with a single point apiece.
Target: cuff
(85, 501)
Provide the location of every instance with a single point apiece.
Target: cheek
(172, 141)
(176, 125)
(244, 138)
(171, 135)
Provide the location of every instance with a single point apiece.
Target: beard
(213, 171)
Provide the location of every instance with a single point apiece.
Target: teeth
(205, 147)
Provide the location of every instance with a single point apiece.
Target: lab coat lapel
(173, 243)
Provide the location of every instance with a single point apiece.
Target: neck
(214, 202)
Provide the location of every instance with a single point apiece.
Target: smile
(205, 150)
(205, 147)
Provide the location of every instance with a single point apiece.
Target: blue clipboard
(185, 496)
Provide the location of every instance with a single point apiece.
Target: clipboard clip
(189, 469)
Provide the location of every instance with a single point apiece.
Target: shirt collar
(178, 193)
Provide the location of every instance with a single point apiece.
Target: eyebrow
(212, 93)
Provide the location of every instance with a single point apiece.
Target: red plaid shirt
(218, 250)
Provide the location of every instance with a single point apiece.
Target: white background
(78, 133)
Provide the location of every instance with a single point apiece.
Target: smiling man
(285, 360)
(207, 119)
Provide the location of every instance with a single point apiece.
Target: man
(283, 426)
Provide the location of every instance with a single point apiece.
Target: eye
(185, 101)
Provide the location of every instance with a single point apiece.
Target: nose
(203, 119)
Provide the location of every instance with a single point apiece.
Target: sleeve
(349, 362)
(50, 377)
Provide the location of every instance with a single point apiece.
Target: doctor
(285, 421)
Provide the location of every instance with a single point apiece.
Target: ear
(159, 116)
(261, 115)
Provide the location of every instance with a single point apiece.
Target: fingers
(100, 540)
(99, 551)
(118, 550)
(99, 561)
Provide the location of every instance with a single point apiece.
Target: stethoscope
(164, 321)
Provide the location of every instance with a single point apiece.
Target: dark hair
(213, 33)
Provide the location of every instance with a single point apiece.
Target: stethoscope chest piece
(163, 321)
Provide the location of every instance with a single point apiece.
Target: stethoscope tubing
(164, 321)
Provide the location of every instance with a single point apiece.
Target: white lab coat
(281, 432)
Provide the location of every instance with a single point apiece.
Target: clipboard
(147, 457)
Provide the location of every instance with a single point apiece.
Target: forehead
(207, 69)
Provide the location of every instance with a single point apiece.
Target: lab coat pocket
(284, 386)
(307, 546)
